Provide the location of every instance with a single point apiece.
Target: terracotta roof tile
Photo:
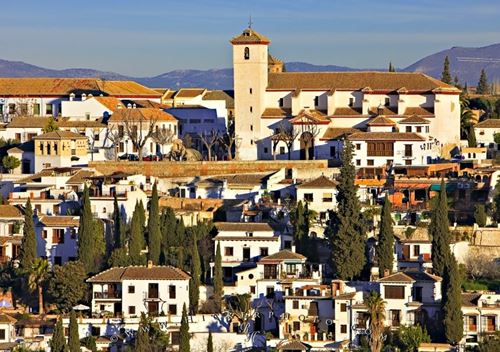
(293, 345)
(284, 254)
(470, 299)
(320, 182)
(110, 103)
(423, 276)
(397, 277)
(381, 121)
(384, 110)
(333, 133)
(140, 114)
(58, 135)
(273, 113)
(347, 111)
(59, 220)
(310, 116)
(7, 319)
(385, 81)
(28, 121)
(489, 123)
(226, 95)
(249, 36)
(10, 211)
(80, 176)
(420, 111)
(244, 226)
(414, 119)
(189, 92)
(140, 273)
(385, 136)
(67, 122)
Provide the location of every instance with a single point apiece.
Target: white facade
(57, 238)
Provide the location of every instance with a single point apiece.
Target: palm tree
(36, 277)
(466, 117)
(376, 312)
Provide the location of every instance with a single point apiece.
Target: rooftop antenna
(250, 22)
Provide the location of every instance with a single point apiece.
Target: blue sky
(149, 37)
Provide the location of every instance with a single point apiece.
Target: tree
(67, 285)
(58, 341)
(136, 238)
(150, 337)
(445, 75)
(439, 229)
(490, 343)
(28, 245)
(412, 336)
(348, 239)
(115, 136)
(163, 136)
(142, 338)
(482, 86)
(218, 280)
(118, 226)
(139, 127)
(154, 233)
(119, 257)
(195, 281)
(385, 248)
(210, 343)
(51, 125)
(453, 320)
(228, 140)
(168, 222)
(10, 163)
(376, 311)
(91, 246)
(298, 222)
(36, 278)
(209, 139)
(184, 331)
(480, 215)
(284, 133)
(391, 67)
(74, 337)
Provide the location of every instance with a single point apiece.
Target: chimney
(294, 248)
(374, 273)
(84, 96)
(129, 106)
(150, 263)
(72, 97)
(134, 106)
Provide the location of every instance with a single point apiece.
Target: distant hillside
(466, 63)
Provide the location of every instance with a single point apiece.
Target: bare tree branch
(209, 140)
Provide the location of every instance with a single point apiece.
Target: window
(131, 289)
(247, 53)
(49, 109)
(408, 162)
(172, 309)
(153, 290)
(387, 101)
(394, 292)
(296, 325)
(281, 102)
(327, 197)
(369, 162)
(36, 109)
(58, 236)
(2, 334)
(419, 129)
(358, 146)
(270, 271)
(416, 250)
(131, 310)
(358, 162)
(171, 291)
(308, 197)
(48, 149)
(343, 307)
(121, 131)
(264, 251)
(408, 129)
(426, 129)
(333, 152)
(282, 150)
(251, 91)
(23, 108)
(291, 269)
(316, 101)
(228, 251)
(343, 329)
(269, 291)
(252, 289)
(295, 304)
(266, 150)
(351, 102)
(251, 127)
(251, 109)
(380, 149)
(57, 260)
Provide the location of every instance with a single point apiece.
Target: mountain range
(465, 63)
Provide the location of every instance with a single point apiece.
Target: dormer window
(281, 102)
(247, 53)
(351, 102)
(387, 102)
(316, 101)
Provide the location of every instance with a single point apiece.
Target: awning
(449, 187)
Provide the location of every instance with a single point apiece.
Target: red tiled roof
(320, 182)
(138, 114)
(140, 273)
(385, 136)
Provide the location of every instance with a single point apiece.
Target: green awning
(449, 187)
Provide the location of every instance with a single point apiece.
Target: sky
(149, 37)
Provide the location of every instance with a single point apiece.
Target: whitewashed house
(11, 232)
(130, 291)
(57, 238)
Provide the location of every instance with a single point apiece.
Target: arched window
(247, 53)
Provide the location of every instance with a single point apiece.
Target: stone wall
(203, 168)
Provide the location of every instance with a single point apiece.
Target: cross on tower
(250, 22)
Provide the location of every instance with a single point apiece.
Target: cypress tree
(439, 229)
(218, 280)
(195, 281)
(154, 234)
(480, 215)
(298, 225)
(58, 342)
(385, 248)
(168, 224)
(142, 343)
(28, 246)
(445, 75)
(184, 331)
(482, 86)
(348, 239)
(210, 343)
(136, 238)
(87, 249)
(118, 226)
(391, 67)
(452, 299)
(74, 338)
(142, 213)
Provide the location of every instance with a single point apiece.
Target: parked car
(151, 157)
(129, 157)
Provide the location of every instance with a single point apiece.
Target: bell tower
(250, 66)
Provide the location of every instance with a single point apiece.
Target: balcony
(108, 295)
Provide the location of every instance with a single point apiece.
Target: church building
(391, 118)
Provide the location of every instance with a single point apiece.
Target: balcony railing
(107, 295)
